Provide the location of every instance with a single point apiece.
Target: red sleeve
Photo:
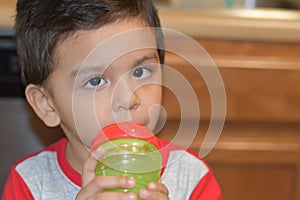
(15, 188)
(207, 188)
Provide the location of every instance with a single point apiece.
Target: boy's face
(90, 97)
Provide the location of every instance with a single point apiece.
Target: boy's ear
(41, 102)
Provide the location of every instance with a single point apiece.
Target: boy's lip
(129, 118)
(136, 122)
(145, 123)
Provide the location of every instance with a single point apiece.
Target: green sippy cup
(130, 150)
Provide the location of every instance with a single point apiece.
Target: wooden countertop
(7, 12)
(237, 24)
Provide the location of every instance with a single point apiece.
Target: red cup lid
(124, 130)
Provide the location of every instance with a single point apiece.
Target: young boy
(54, 37)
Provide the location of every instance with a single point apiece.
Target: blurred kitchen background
(256, 46)
(213, 4)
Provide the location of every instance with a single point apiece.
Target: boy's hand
(154, 191)
(93, 186)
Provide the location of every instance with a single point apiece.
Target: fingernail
(98, 153)
(131, 196)
(100, 150)
(152, 186)
(131, 182)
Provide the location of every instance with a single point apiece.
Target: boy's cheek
(154, 112)
(86, 126)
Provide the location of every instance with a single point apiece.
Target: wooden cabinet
(258, 153)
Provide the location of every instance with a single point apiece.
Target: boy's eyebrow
(88, 69)
(143, 59)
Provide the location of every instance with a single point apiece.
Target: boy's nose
(125, 98)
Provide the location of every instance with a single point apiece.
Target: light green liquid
(130, 157)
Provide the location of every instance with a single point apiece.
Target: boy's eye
(141, 72)
(95, 82)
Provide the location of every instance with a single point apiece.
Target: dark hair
(40, 24)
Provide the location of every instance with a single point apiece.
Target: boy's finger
(159, 187)
(113, 195)
(155, 191)
(112, 182)
(152, 195)
(100, 183)
(88, 172)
